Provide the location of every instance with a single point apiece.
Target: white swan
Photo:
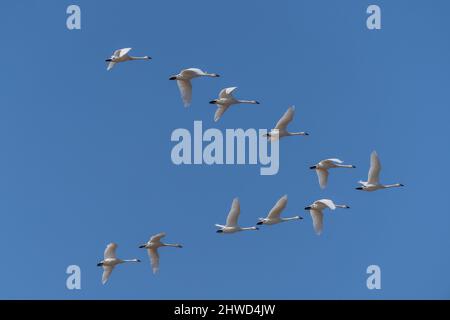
(372, 183)
(121, 55)
(110, 261)
(274, 215)
(225, 100)
(280, 129)
(152, 248)
(184, 82)
(323, 166)
(232, 219)
(316, 212)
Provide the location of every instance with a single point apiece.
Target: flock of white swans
(223, 102)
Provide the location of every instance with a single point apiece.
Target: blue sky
(85, 153)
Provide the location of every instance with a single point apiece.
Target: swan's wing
(317, 217)
(111, 65)
(185, 87)
(278, 207)
(375, 168)
(220, 111)
(225, 93)
(110, 251)
(322, 174)
(123, 52)
(106, 273)
(157, 237)
(335, 160)
(154, 259)
(285, 119)
(233, 215)
(192, 72)
(327, 202)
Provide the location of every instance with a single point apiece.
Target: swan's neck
(140, 58)
(393, 185)
(131, 260)
(344, 166)
(248, 101)
(212, 75)
(342, 206)
(292, 218)
(249, 228)
(172, 245)
(296, 133)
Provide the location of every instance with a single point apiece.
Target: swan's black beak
(142, 246)
(108, 60)
(219, 231)
(402, 185)
(212, 102)
(173, 78)
(259, 223)
(257, 102)
(99, 264)
(353, 167)
(306, 134)
(359, 188)
(313, 167)
(137, 260)
(308, 208)
(149, 58)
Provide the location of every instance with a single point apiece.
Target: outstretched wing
(233, 215)
(157, 237)
(327, 202)
(286, 119)
(192, 72)
(322, 174)
(185, 87)
(122, 52)
(375, 168)
(278, 207)
(227, 92)
(220, 111)
(107, 270)
(110, 251)
(111, 65)
(317, 217)
(334, 160)
(154, 259)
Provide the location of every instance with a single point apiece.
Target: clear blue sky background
(85, 153)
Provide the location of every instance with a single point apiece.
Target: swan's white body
(110, 261)
(184, 82)
(372, 183)
(274, 215)
(323, 166)
(316, 211)
(232, 220)
(152, 248)
(122, 55)
(280, 129)
(225, 100)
